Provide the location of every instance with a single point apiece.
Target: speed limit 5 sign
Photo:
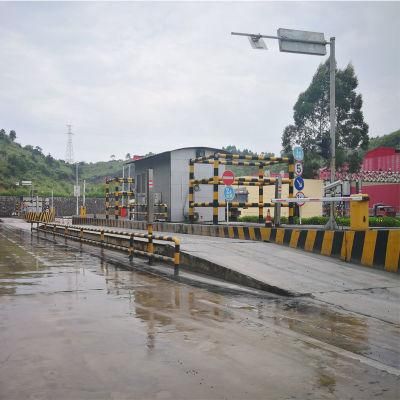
(298, 168)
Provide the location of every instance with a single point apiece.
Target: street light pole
(313, 43)
(331, 224)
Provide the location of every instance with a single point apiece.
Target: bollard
(176, 257)
(150, 246)
(131, 247)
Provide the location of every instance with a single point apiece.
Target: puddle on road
(107, 299)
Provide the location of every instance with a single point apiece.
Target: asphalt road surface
(75, 326)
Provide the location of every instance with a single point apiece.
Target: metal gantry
(239, 160)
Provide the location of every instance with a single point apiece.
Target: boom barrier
(133, 243)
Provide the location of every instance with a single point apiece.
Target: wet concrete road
(73, 326)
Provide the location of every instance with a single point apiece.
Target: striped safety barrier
(43, 216)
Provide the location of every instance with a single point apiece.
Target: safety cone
(268, 220)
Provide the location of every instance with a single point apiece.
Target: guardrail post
(102, 237)
(176, 257)
(81, 234)
(150, 245)
(131, 247)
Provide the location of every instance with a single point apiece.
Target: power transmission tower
(69, 157)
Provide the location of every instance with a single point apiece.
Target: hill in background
(28, 163)
(390, 140)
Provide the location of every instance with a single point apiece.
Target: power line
(69, 156)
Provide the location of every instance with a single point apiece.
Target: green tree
(13, 135)
(128, 156)
(311, 120)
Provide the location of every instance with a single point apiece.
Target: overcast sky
(140, 77)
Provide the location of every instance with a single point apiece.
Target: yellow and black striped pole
(150, 245)
(116, 201)
(107, 198)
(191, 196)
(260, 195)
(215, 191)
(176, 257)
(291, 182)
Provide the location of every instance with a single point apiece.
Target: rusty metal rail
(135, 244)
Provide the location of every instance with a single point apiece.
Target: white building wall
(180, 186)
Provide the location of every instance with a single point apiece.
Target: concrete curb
(378, 248)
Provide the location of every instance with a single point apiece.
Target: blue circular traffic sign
(229, 193)
(299, 183)
(298, 153)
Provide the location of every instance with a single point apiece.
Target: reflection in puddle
(30, 266)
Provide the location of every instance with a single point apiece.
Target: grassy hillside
(29, 163)
(390, 140)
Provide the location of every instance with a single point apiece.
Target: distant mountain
(28, 163)
(389, 140)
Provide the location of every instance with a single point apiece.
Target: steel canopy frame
(218, 159)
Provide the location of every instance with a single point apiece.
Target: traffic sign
(228, 177)
(299, 183)
(300, 195)
(229, 193)
(298, 168)
(303, 42)
(298, 153)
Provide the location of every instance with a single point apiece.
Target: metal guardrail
(116, 240)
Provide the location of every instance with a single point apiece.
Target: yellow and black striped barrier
(43, 216)
(117, 240)
(378, 248)
(218, 159)
(372, 248)
(117, 195)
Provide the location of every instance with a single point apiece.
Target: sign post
(300, 195)
(229, 194)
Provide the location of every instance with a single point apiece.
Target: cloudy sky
(138, 77)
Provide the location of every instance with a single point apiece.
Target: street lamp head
(257, 43)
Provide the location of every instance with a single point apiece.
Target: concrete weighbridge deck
(349, 286)
(377, 248)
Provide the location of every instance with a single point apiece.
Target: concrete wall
(312, 188)
(65, 206)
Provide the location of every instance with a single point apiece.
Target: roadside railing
(133, 243)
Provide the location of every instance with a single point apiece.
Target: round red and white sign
(300, 195)
(228, 177)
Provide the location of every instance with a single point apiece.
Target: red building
(380, 176)
(382, 159)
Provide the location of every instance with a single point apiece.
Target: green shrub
(341, 221)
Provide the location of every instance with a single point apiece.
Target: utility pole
(331, 224)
